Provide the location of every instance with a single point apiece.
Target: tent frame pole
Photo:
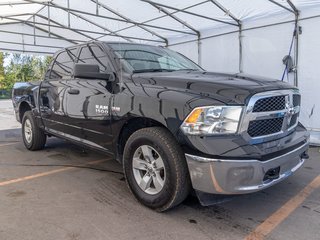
(187, 12)
(68, 5)
(239, 24)
(49, 29)
(30, 44)
(280, 5)
(97, 25)
(65, 27)
(296, 13)
(296, 37)
(240, 49)
(29, 51)
(73, 29)
(183, 23)
(110, 18)
(57, 37)
(34, 29)
(128, 19)
(156, 18)
(143, 25)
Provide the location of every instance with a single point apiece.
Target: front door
(53, 91)
(89, 101)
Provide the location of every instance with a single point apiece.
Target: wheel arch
(23, 108)
(131, 126)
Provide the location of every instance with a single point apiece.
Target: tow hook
(304, 155)
(272, 174)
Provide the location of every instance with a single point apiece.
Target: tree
(22, 68)
(2, 76)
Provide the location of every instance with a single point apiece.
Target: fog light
(241, 175)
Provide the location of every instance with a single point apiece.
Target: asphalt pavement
(66, 192)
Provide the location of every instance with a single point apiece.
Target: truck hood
(225, 88)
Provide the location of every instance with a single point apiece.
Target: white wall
(264, 48)
(309, 81)
(190, 50)
(219, 54)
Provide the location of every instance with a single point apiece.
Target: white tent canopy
(221, 35)
(158, 21)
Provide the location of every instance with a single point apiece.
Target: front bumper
(217, 176)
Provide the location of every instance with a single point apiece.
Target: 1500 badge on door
(103, 109)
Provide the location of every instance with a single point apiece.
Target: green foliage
(21, 68)
(1, 68)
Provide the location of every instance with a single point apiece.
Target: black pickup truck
(173, 126)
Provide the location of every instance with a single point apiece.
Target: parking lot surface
(66, 192)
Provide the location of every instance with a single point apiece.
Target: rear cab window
(63, 64)
(94, 54)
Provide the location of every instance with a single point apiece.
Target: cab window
(63, 64)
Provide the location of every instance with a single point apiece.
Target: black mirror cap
(89, 71)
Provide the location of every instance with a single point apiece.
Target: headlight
(212, 120)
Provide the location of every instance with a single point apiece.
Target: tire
(164, 185)
(33, 137)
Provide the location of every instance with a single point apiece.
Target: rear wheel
(155, 168)
(34, 138)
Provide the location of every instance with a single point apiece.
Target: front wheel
(155, 168)
(33, 137)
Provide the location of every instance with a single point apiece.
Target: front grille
(265, 127)
(296, 100)
(293, 120)
(270, 115)
(270, 104)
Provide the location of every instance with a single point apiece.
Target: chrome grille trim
(268, 104)
(265, 126)
(288, 113)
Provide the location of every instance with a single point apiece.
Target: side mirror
(89, 71)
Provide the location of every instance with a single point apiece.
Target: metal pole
(30, 44)
(97, 7)
(65, 27)
(78, 30)
(68, 2)
(28, 51)
(54, 34)
(240, 49)
(102, 27)
(239, 24)
(58, 37)
(226, 11)
(34, 30)
(22, 42)
(49, 30)
(199, 51)
(128, 19)
(187, 12)
(296, 47)
(183, 23)
(296, 52)
(111, 18)
(160, 17)
(280, 5)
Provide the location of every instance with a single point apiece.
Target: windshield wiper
(152, 70)
(187, 69)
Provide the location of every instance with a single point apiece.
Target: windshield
(144, 58)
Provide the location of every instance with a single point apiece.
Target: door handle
(44, 90)
(73, 91)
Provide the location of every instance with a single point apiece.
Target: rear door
(88, 107)
(53, 94)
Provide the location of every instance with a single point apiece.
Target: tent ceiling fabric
(44, 26)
